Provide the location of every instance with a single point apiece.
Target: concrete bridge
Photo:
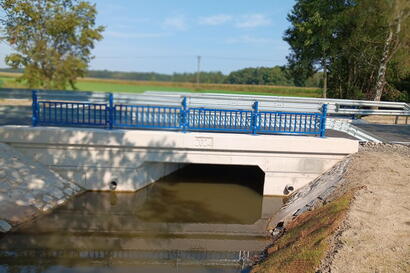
(132, 159)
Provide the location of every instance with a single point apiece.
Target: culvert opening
(251, 177)
(207, 193)
(113, 185)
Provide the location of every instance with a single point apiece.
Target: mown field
(8, 80)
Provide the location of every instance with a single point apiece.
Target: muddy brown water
(203, 218)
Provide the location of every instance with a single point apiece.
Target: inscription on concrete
(204, 142)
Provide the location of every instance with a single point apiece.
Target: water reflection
(201, 219)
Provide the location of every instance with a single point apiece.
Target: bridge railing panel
(137, 116)
(71, 113)
(200, 119)
(293, 123)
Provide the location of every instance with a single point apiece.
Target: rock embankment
(28, 189)
(313, 195)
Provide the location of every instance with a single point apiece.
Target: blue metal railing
(138, 116)
(71, 113)
(201, 119)
(110, 115)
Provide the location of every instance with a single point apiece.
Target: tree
(259, 75)
(52, 39)
(313, 37)
(397, 35)
(365, 46)
(374, 57)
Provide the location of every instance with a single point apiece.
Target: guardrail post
(255, 113)
(184, 115)
(323, 121)
(110, 111)
(34, 117)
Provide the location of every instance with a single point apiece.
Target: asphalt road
(389, 133)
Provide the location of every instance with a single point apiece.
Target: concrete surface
(27, 188)
(94, 157)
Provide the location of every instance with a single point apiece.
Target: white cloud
(130, 35)
(176, 23)
(215, 20)
(247, 39)
(127, 21)
(252, 20)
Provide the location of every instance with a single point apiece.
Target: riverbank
(360, 226)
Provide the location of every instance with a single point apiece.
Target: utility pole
(198, 70)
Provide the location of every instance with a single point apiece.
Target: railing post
(184, 115)
(110, 111)
(255, 114)
(323, 121)
(34, 117)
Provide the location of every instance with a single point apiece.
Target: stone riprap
(28, 189)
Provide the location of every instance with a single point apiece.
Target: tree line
(276, 75)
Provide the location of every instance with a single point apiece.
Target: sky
(166, 36)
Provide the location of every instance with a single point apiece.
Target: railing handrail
(335, 106)
(280, 98)
(111, 115)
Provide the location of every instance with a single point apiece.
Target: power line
(242, 59)
(198, 70)
(182, 56)
(140, 57)
(190, 57)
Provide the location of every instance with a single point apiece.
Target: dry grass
(8, 74)
(307, 240)
(387, 119)
(15, 102)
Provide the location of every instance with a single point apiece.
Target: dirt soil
(386, 119)
(375, 236)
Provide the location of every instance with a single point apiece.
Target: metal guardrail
(26, 94)
(347, 127)
(118, 115)
(222, 101)
(335, 106)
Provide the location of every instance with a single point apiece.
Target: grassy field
(8, 80)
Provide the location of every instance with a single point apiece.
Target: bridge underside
(132, 159)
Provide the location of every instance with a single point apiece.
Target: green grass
(115, 87)
(9, 82)
(306, 241)
(135, 87)
(107, 85)
(121, 88)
